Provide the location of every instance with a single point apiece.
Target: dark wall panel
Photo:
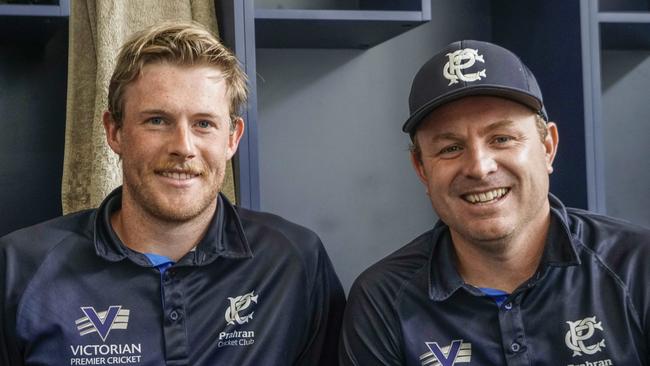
(546, 35)
(33, 73)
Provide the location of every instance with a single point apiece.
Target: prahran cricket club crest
(581, 331)
(460, 60)
(580, 339)
(237, 304)
(235, 317)
(456, 353)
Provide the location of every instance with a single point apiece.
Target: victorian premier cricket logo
(455, 353)
(106, 353)
(460, 60)
(102, 322)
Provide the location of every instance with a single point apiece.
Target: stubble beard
(501, 240)
(144, 196)
(487, 243)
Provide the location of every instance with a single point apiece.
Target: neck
(145, 233)
(503, 264)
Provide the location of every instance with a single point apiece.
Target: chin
(493, 232)
(181, 208)
(176, 214)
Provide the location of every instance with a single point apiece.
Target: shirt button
(173, 315)
(515, 347)
(508, 306)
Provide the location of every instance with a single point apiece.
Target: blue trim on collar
(225, 236)
(560, 251)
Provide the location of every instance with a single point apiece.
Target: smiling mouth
(179, 175)
(486, 197)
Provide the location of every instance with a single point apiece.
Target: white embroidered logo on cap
(459, 61)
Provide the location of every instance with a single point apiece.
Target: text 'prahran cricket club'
(235, 316)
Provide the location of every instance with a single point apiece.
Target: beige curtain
(97, 30)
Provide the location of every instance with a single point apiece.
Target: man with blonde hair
(167, 271)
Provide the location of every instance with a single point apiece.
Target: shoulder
(258, 224)
(605, 235)
(273, 224)
(271, 234)
(619, 247)
(386, 279)
(23, 252)
(372, 315)
(38, 239)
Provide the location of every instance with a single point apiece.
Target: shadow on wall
(33, 72)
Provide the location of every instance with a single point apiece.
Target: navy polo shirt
(257, 290)
(587, 304)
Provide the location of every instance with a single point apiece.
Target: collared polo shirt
(257, 290)
(588, 304)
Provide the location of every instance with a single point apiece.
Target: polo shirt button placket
(174, 315)
(168, 277)
(515, 347)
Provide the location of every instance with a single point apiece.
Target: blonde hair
(184, 44)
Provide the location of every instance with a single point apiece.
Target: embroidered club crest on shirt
(237, 304)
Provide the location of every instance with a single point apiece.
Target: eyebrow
(454, 136)
(497, 125)
(150, 112)
(446, 136)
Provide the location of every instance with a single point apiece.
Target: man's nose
(182, 142)
(479, 162)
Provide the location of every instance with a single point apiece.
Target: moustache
(188, 167)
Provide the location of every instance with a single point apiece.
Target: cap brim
(516, 95)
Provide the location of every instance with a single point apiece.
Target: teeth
(486, 196)
(176, 175)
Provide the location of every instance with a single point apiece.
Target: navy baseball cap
(467, 68)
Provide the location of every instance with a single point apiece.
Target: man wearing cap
(508, 275)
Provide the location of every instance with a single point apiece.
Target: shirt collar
(225, 236)
(444, 279)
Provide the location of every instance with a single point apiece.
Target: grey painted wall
(332, 154)
(626, 134)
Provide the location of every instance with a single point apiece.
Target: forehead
(476, 112)
(178, 87)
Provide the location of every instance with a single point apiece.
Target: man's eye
(502, 139)
(156, 121)
(451, 149)
(204, 124)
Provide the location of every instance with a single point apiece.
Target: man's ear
(550, 145)
(235, 136)
(113, 132)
